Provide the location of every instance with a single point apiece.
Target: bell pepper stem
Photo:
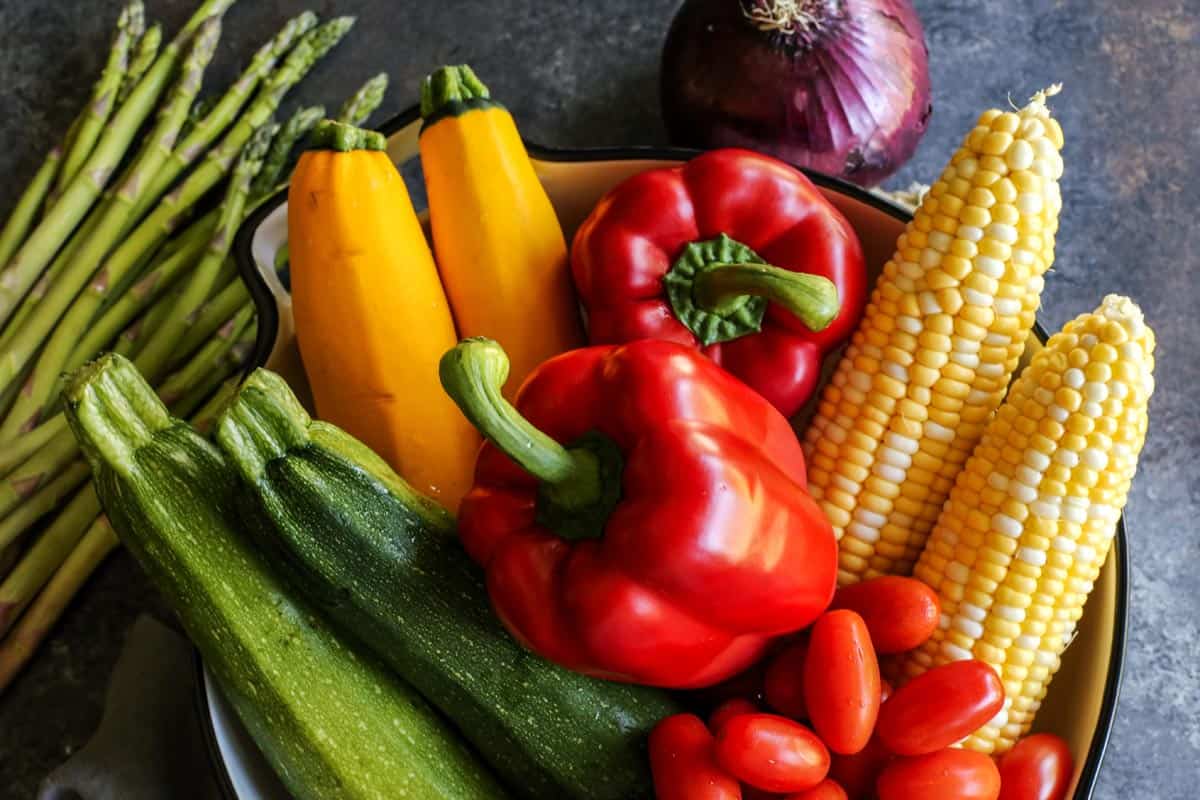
(813, 299)
(473, 374)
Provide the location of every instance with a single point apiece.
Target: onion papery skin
(846, 92)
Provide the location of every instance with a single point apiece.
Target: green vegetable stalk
(169, 213)
(154, 357)
(15, 452)
(362, 104)
(295, 129)
(41, 467)
(44, 500)
(52, 547)
(143, 56)
(221, 115)
(28, 205)
(105, 95)
(140, 296)
(113, 221)
(81, 559)
(85, 188)
(35, 624)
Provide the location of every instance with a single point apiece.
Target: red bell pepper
(734, 253)
(641, 514)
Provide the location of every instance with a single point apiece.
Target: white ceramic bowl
(1083, 698)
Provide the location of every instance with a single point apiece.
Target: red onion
(840, 86)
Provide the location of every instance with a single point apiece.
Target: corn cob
(1032, 517)
(939, 342)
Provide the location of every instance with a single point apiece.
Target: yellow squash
(371, 317)
(500, 249)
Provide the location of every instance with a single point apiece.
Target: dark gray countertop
(584, 73)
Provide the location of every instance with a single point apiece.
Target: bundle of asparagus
(114, 246)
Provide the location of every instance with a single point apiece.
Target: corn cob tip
(1125, 312)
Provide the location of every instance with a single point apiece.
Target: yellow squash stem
(1031, 519)
(500, 248)
(938, 344)
(371, 316)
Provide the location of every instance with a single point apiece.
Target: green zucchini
(333, 722)
(382, 562)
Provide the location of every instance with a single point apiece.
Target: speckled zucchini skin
(332, 721)
(382, 561)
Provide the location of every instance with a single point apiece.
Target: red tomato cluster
(836, 731)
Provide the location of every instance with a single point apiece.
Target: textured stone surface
(584, 73)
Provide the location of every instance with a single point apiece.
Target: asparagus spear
(35, 296)
(362, 104)
(143, 56)
(168, 214)
(199, 110)
(16, 452)
(229, 369)
(36, 470)
(149, 288)
(85, 188)
(50, 550)
(214, 351)
(106, 233)
(80, 139)
(221, 306)
(43, 501)
(18, 648)
(23, 214)
(154, 357)
(295, 129)
(134, 338)
(8, 557)
(222, 114)
(87, 129)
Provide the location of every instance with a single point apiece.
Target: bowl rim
(268, 315)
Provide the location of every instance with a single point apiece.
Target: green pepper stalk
(154, 358)
(295, 129)
(85, 188)
(113, 220)
(19, 647)
(473, 373)
(222, 115)
(87, 129)
(359, 107)
(143, 57)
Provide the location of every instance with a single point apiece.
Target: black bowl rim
(268, 315)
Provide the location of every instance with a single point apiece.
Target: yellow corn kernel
(1046, 537)
(938, 343)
